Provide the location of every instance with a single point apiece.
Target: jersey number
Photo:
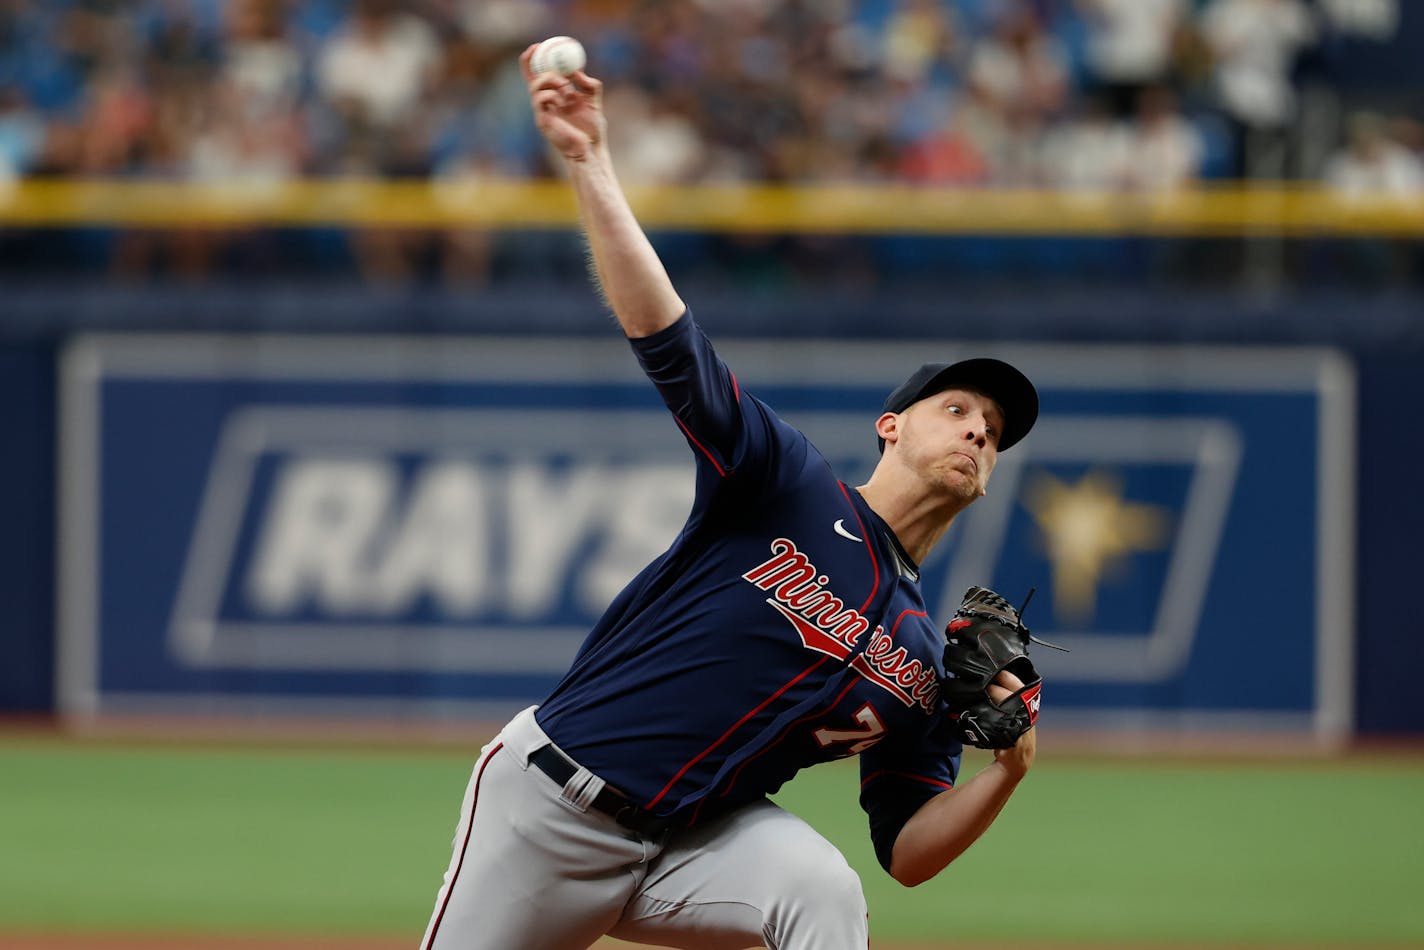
(872, 731)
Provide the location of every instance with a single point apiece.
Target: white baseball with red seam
(558, 54)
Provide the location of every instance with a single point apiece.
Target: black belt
(609, 800)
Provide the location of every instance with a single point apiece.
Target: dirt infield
(175, 942)
(178, 942)
(195, 942)
(265, 942)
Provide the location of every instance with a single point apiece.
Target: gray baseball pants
(534, 868)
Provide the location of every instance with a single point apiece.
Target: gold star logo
(1088, 532)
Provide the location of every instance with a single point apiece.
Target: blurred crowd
(1086, 93)
(1121, 94)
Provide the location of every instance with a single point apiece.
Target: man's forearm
(946, 825)
(628, 270)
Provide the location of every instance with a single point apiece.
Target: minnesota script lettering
(801, 594)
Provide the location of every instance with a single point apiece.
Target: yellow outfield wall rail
(1276, 209)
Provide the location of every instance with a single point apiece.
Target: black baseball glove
(985, 638)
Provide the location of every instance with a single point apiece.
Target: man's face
(952, 439)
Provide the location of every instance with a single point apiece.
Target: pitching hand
(567, 109)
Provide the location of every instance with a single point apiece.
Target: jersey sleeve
(897, 778)
(728, 429)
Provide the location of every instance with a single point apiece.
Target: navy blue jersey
(783, 627)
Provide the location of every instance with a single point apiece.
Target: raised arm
(569, 112)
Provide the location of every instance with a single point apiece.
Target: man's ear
(888, 427)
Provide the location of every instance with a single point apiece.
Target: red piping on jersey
(910, 775)
(736, 398)
(700, 447)
(820, 712)
(739, 723)
(464, 845)
(903, 614)
(856, 677)
(869, 548)
(875, 586)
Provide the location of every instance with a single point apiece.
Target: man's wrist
(1013, 774)
(596, 154)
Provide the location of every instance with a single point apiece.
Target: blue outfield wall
(1390, 549)
(1378, 336)
(27, 513)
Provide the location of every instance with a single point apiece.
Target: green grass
(1136, 853)
(145, 838)
(187, 840)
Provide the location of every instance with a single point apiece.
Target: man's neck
(918, 519)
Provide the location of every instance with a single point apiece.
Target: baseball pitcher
(783, 627)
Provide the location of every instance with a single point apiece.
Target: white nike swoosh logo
(840, 529)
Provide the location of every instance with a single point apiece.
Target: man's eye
(956, 410)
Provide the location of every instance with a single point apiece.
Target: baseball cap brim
(996, 379)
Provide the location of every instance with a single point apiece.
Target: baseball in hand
(558, 54)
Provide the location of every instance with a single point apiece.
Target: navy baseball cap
(994, 378)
